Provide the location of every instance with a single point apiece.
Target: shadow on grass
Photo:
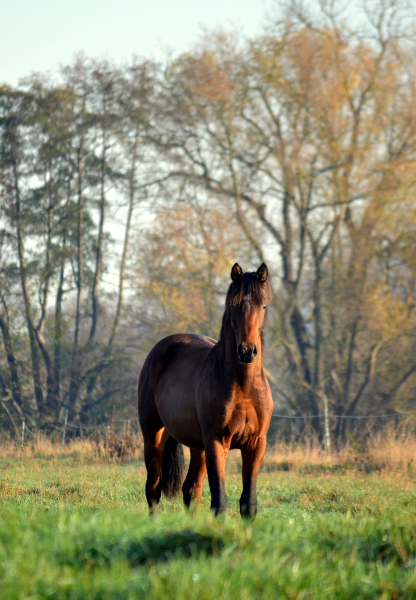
(156, 548)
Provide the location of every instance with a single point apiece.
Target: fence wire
(110, 422)
(400, 414)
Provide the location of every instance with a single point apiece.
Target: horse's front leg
(215, 455)
(252, 456)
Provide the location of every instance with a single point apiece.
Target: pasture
(74, 525)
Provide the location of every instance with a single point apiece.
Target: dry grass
(112, 446)
(390, 451)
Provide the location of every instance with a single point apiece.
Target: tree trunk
(38, 404)
(122, 273)
(57, 352)
(74, 382)
(99, 246)
(14, 376)
(50, 403)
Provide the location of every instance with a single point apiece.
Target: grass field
(74, 526)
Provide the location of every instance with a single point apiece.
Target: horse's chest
(242, 425)
(237, 417)
(242, 436)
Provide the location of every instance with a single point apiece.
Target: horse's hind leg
(154, 437)
(192, 487)
(153, 449)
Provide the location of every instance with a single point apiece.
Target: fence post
(22, 441)
(65, 423)
(327, 433)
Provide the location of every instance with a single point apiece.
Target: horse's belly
(176, 406)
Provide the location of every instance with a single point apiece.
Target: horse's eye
(264, 306)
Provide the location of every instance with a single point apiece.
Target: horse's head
(246, 302)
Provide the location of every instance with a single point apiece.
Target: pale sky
(40, 35)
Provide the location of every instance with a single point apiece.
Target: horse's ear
(236, 273)
(262, 273)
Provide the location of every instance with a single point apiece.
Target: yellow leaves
(344, 88)
(335, 96)
(208, 74)
(211, 81)
(387, 314)
(265, 61)
(184, 261)
(320, 63)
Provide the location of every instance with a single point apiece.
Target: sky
(40, 35)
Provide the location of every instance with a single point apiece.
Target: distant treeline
(126, 193)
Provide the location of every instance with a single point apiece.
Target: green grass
(73, 529)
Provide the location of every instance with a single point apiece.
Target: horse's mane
(248, 288)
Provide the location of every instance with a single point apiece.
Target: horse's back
(168, 382)
(173, 349)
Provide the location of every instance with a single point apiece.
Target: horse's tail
(173, 468)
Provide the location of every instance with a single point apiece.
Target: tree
(299, 135)
(183, 265)
(127, 192)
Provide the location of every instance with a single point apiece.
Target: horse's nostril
(255, 351)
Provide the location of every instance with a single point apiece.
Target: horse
(212, 397)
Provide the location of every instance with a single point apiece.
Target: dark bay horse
(210, 396)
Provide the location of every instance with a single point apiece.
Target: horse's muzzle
(247, 354)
